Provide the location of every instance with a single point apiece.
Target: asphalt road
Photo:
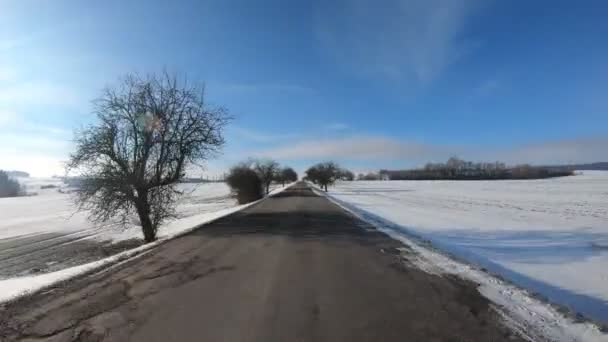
(293, 268)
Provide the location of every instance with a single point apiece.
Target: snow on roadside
(11, 289)
(531, 317)
(545, 235)
(16, 287)
(549, 236)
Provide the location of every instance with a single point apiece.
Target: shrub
(8, 186)
(245, 183)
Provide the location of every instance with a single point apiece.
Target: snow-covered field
(45, 233)
(549, 236)
(51, 211)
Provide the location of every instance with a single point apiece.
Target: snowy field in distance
(549, 236)
(50, 211)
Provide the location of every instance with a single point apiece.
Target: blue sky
(371, 86)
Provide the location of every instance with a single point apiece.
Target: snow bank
(16, 287)
(395, 208)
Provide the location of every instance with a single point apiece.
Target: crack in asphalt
(117, 297)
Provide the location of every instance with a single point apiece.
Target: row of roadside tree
(151, 129)
(251, 180)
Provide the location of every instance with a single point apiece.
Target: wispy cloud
(337, 126)
(487, 87)
(398, 39)
(35, 93)
(24, 143)
(30, 146)
(273, 88)
(379, 150)
(34, 153)
(7, 74)
(353, 147)
(38, 164)
(563, 151)
(7, 117)
(262, 137)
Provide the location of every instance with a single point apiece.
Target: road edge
(32, 285)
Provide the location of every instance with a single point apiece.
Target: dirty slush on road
(294, 267)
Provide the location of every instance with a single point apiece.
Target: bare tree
(149, 130)
(323, 174)
(267, 170)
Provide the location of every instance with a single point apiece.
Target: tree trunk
(147, 228)
(267, 188)
(143, 211)
(325, 187)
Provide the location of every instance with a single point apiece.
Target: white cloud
(7, 74)
(399, 39)
(337, 126)
(7, 117)
(37, 165)
(564, 151)
(40, 156)
(262, 137)
(272, 88)
(25, 143)
(379, 150)
(487, 87)
(37, 142)
(48, 130)
(354, 147)
(38, 93)
(11, 122)
(31, 147)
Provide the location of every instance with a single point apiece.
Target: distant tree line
(458, 169)
(369, 176)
